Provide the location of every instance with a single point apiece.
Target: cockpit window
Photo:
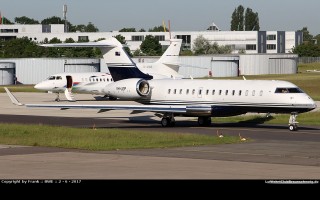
(288, 90)
(59, 78)
(51, 78)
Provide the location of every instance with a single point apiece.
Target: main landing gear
(168, 121)
(293, 124)
(204, 121)
(57, 98)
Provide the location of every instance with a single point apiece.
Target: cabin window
(227, 92)
(207, 92)
(169, 90)
(261, 92)
(253, 92)
(220, 91)
(100, 79)
(247, 92)
(174, 91)
(240, 92)
(180, 91)
(111, 80)
(213, 91)
(104, 80)
(51, 78)
(193, 91)
(97, 79)
(200, 92)
(233, 92)
(187, 91)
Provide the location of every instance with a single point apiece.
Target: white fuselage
(87, 83)
(226, 96)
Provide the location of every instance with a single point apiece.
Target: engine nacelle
(133, 88)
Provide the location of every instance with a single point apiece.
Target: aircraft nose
(40, 86)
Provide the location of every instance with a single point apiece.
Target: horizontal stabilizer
(102, 43)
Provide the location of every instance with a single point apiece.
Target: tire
(201, 121)
(165, 122)
(293, 127)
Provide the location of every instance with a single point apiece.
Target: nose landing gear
(293, 124)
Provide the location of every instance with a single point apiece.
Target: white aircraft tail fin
(171, 56)
(69, 95)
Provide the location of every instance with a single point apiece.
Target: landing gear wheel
(165, 122)
(168, 122)
(57, 99)
(293, 127)
(204, 121)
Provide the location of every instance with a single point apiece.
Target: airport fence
(308, 59)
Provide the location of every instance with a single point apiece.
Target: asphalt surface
(273, 153)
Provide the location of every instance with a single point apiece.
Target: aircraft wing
(102, 43)
(103, 108)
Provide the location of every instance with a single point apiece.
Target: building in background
(249, 41)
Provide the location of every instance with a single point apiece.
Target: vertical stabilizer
(119, 63)
(171, 56)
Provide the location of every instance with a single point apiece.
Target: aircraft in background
(169, 98)
(94, 82)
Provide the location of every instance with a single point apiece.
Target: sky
(184, 15)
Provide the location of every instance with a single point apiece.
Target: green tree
(247, 20)
(20, 48)
(307, 37)
(80, 28)
(307, 50)
(158, 29)
(142, 30)
(203, 46)
(151, 46)
(91, 28)
(25, 20)
(237, 19)
(251, 20)
(52, 20)
(137, 52)
(127, 30)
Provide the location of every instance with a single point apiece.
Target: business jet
(93, 82)
(170, 98)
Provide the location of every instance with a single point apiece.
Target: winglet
(14, 100)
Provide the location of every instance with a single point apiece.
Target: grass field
(102, 139)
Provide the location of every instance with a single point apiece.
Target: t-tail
(119, 63)
(170, 57)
